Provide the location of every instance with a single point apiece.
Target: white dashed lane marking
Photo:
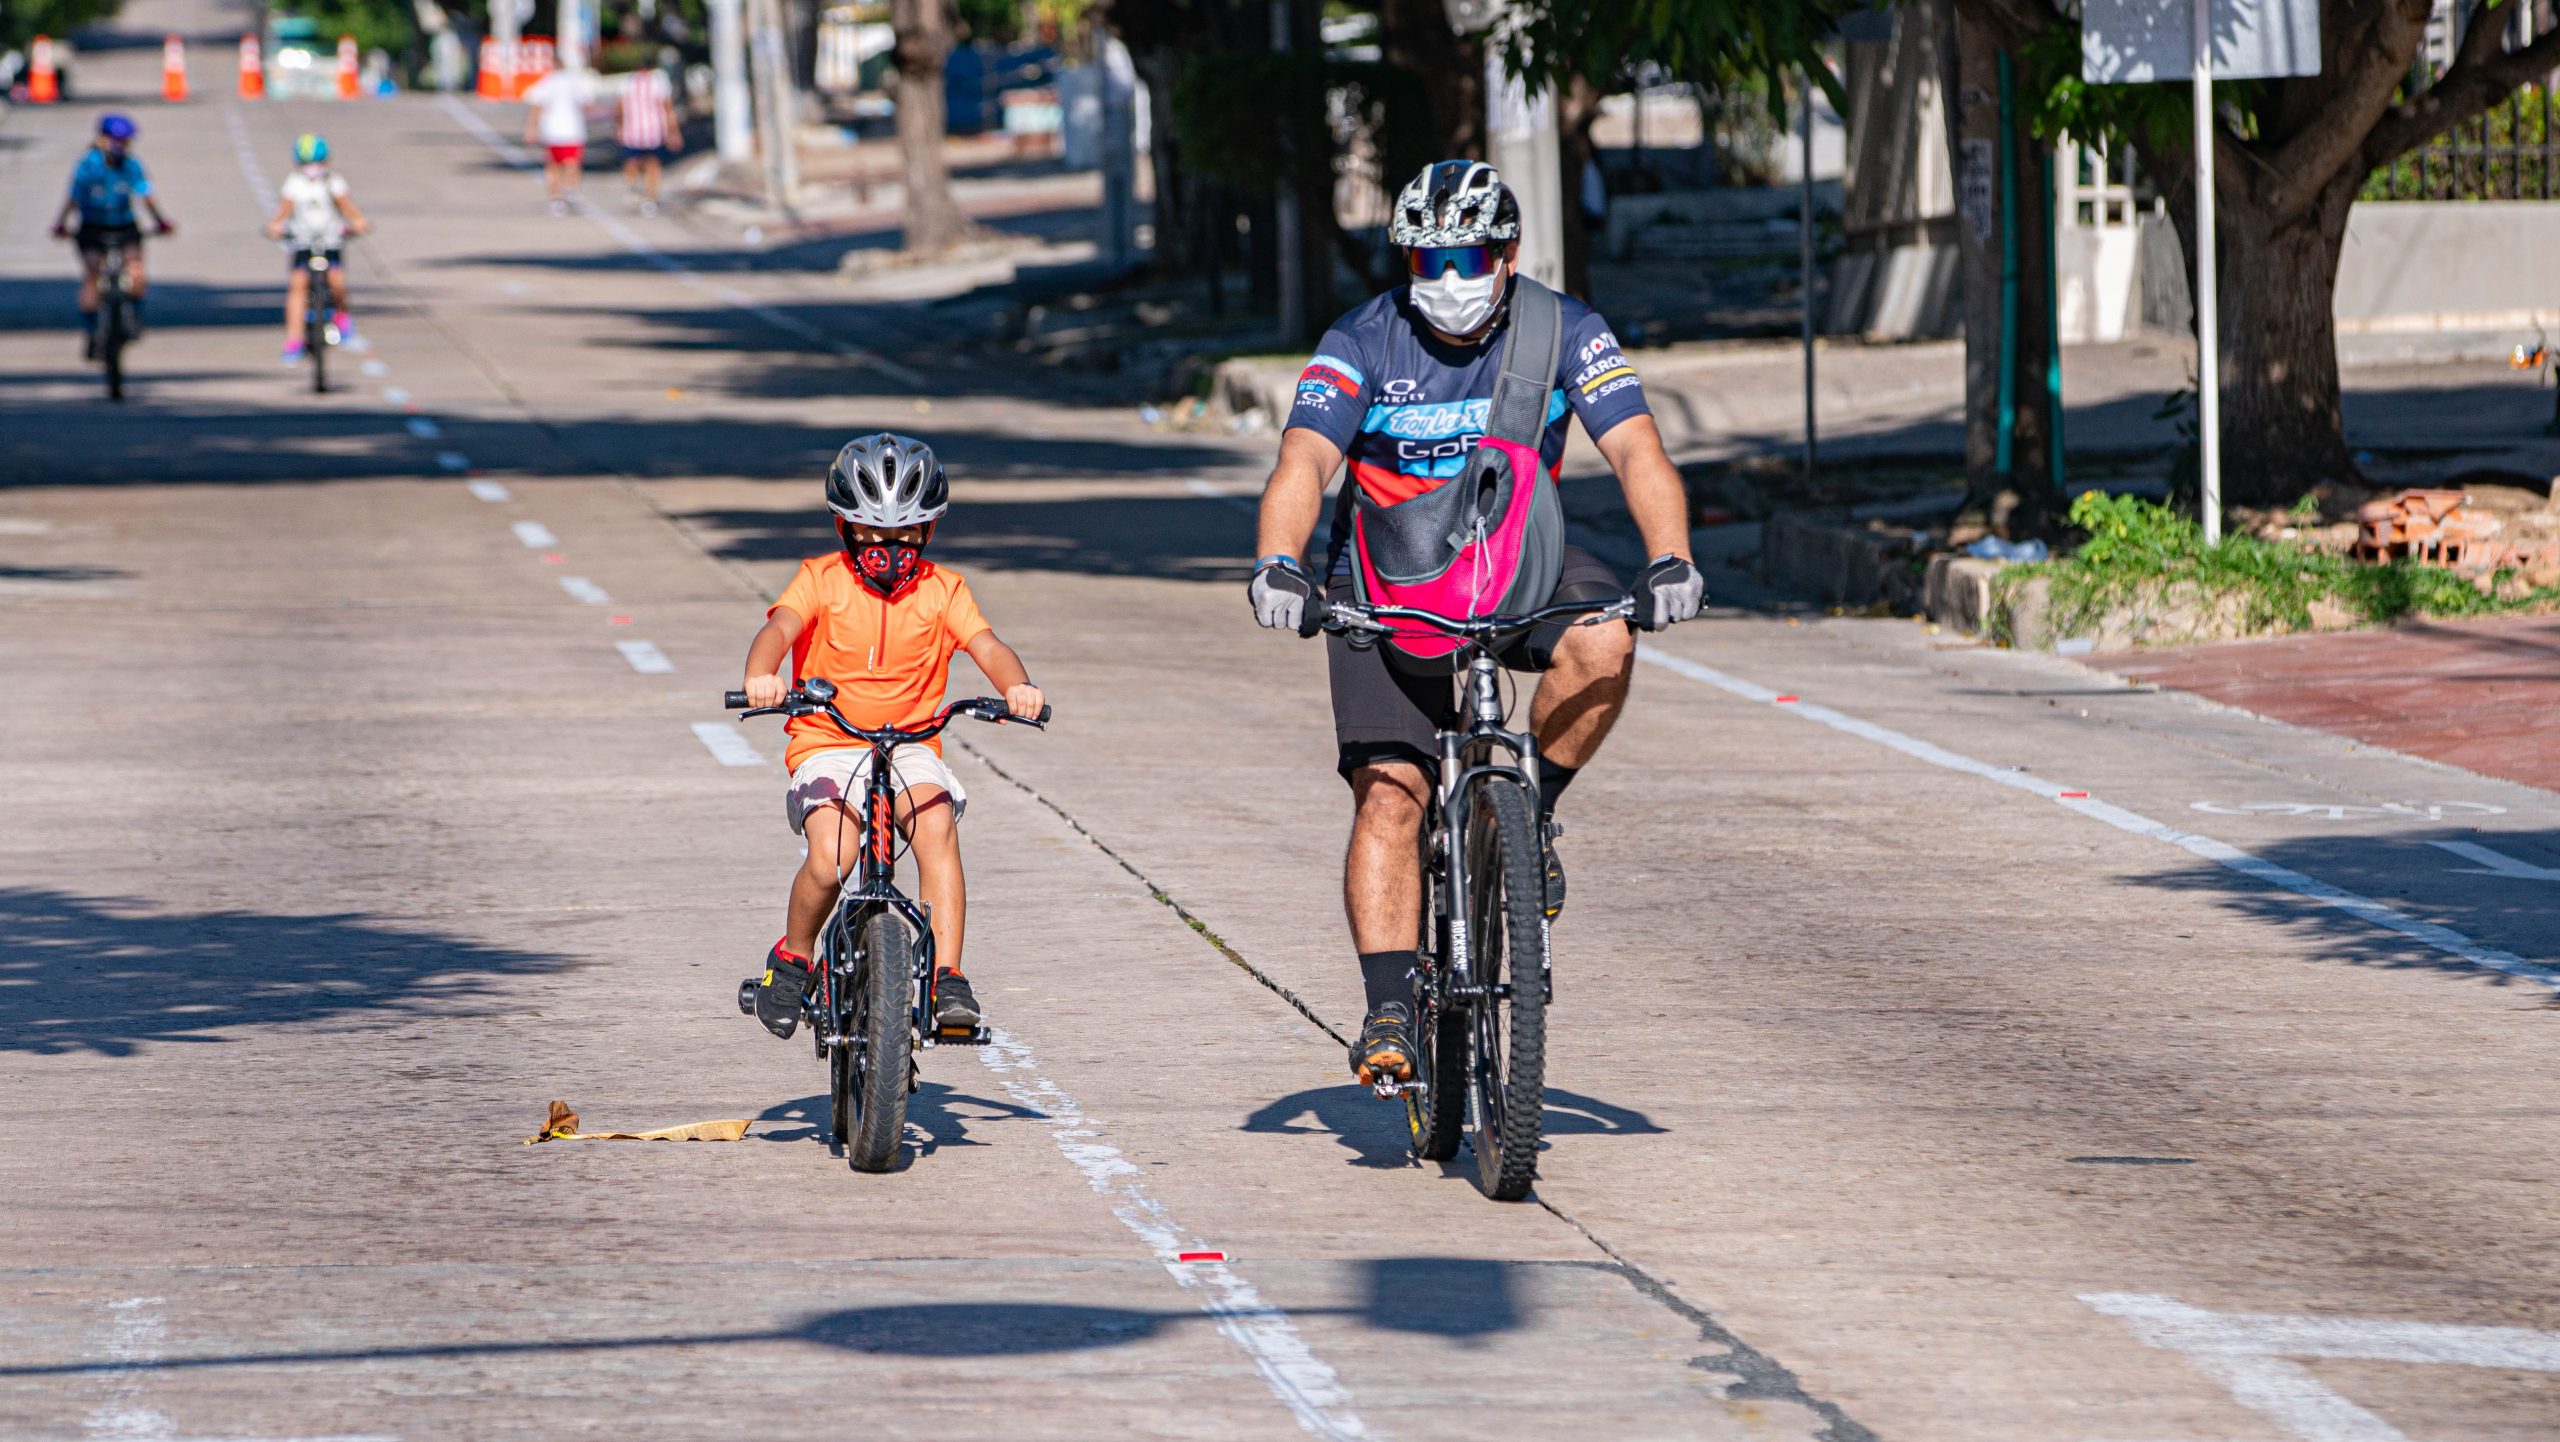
(453, 460)
(645, 658)
(582, 589)
(535, 535)
(490, 491)
(395, 395)
(727, 744)
(2364, 908)
(424, 429)
(374, 368)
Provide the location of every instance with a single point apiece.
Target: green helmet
(310, 150)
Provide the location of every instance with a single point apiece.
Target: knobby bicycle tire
(111, 345)
(1436, 1112)
(884, 989)
(316, 341)
(1508, 1033)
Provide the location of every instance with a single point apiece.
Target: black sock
(1388, 976)
(1552, 780)
(89, 321)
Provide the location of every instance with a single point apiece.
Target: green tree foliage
(1720, 43)
(23, 20)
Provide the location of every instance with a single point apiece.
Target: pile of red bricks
(2441, 528)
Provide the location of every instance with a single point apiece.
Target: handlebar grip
(1043, 717)
(734, 700)
(1311, 619)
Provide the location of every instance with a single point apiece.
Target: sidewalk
(2481, 695)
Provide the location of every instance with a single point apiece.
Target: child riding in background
(881, 622)
(315, 214)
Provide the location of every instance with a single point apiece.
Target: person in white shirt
(315, 213)
(650, 132)
(556, 116)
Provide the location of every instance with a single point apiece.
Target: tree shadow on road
(111, 977)
(938, 1116)
(1375, 1134)
(1179, 538)
(2441, 894)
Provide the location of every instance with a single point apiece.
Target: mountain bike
(1481, 990)
(319, 319)
(872, 1007)
(116, 319)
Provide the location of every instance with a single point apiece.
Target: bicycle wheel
(111, 346)
(1508, 1035)
(1436, 1112)
(315, 341)
(881, 1040)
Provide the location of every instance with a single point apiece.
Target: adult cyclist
(104, 187)
(1400, 386)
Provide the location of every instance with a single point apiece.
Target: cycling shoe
(955, 1005)
(1385, 1050)
(776, 996)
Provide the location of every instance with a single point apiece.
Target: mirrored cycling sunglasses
(1471, 262)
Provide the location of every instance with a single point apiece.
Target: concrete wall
(2461, 265)
(1896, 278)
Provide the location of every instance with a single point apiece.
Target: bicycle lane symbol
(2437, 811)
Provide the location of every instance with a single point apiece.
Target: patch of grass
(2138, 548)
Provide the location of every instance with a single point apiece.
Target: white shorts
(838, 774)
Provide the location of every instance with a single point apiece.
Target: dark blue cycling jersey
(1406, 408)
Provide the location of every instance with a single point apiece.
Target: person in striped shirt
(650, 131)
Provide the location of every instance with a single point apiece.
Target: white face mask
(1459, 307)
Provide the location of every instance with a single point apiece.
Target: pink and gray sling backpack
(1489, 540)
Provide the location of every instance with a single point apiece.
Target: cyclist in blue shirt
(105, 186)
(1400, 389)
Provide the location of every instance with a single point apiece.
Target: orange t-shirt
(890, 660)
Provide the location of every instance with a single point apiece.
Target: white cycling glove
(1672, 591)
(1280, 591)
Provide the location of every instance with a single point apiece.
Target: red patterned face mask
(887, 567)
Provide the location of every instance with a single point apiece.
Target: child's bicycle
(1481, 990)
(873, 1004)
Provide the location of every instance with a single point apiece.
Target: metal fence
(2510, 153)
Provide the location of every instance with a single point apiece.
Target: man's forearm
(1291, 501)
(1657, 499)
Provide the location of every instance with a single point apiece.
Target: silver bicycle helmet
(887, 480)
(1455, 202)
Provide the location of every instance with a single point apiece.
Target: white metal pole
(732, 118)
(2208, 336)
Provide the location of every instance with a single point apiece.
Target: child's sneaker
(955, 1005)
(293, 351)
(775, 997)
(345, 325)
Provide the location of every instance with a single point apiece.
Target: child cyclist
(881, 622)
(314, 214)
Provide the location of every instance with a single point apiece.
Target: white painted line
(645, 658)
(582, 589)
(132, 1349)
(638, 245)
(2426, 933)
(453, 460)
(2249, 1354)
(395, 395)
(2341, 811)
(1209, 492)
(489, 491)
(1303, 1382)
(2495, 863)
(375, 368)
(535, 535)
(729, 746)
(247, 151)
(424, 429)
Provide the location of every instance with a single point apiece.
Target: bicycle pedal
(962, 1035)
(1388, 1088)
(747, 996)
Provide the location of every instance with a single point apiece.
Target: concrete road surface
(1948, 1044)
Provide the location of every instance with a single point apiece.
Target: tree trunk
(2275, 302)
(1415, 37)
(2021, 497)
(1178, 232)
(924, 30)
(1577, 107)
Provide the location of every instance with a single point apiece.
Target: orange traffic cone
(43, 86)
(253, 71)
(173, 69)
(488, 82)
(346, 67)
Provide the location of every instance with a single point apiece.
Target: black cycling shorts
(93, 239)
(302, 256)
(1384, 713)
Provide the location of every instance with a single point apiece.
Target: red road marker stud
(1199, 1256)
(1788, 700)
(552, 558)
(622, 620)
(2072, 796)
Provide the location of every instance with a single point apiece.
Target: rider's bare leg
(835, 839)
(338, 287)
(136, 283)
(90, 264)
(297, 295)
(940, 883)
(1382, 872)
(1582, 693)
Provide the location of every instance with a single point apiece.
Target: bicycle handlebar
(818, 699)
(1346, 617)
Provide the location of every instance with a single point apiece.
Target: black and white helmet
(887, 480)
(1455, 202)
